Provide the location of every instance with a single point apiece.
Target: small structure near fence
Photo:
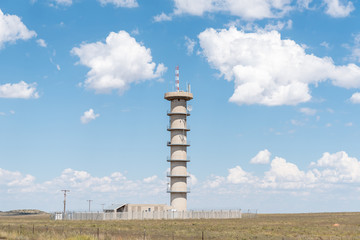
(157, 215)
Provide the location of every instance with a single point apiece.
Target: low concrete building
(113, 208)
(137, 208)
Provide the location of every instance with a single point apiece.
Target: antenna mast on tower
(177, 85)
(65, 191)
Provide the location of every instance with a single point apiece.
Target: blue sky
(275, 121)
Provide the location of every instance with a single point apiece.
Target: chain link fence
(214, 214)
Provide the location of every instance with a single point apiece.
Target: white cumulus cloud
(162, 17)
(82, 181)
(245, 9)
(331, 171)
(121, 3)
(338, 167)
(263, 157)
(238, 175)
(253, 27)
(308, 111)
(337, 9)
(325, 45)
(18, 90)
(283, 174)
(63, 2)
(88, 116)
(215, 181)
(355, 49)
(41, 43)
(192, 180)
(15, 179)
(150, 179)
(304, 3)
(190, 44)
(82, 184)
(117, 63)
(268, 70)
(355, 98)
(278, 26)
(257, 9)
(13, 29)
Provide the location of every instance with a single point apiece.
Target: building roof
(114, 207)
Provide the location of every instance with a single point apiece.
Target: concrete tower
(178, 145)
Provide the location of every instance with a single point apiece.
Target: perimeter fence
(163, 215)
(93, 227)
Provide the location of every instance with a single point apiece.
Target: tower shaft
(178, 148)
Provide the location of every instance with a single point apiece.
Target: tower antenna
(65, 191)
(177, 81)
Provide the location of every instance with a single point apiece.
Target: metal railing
(187, 143)
(188, 190)
(186, 128)
(170, 174)
(180, 113)
(169, 159)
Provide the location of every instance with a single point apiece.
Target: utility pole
(65, 191)
(89, 203)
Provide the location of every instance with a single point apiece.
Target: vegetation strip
(264, 226)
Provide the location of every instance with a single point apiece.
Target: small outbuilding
(113, 208)
(137, 208)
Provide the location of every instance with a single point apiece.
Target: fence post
(202, 235)
(98, 233)
(144, 234)
(33, 229)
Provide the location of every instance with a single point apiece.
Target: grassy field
(264, 226)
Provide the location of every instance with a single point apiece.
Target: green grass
(264, 226)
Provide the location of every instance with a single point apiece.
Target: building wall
(147, 207)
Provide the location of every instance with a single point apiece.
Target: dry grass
(264, 226)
